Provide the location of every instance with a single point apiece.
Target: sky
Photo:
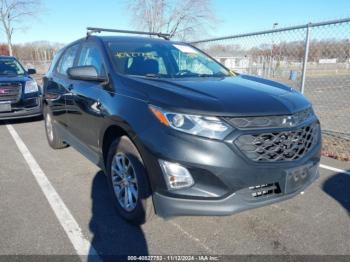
(64, 21)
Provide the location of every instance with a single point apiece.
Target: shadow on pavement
(21, 120)
(111, 234)
(337, 186)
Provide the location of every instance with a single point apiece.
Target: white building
(327, 61)
(234, 63)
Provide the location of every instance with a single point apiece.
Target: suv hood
(15, 78)
(230, 96)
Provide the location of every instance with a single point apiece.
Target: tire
(126, 180)
(53, 138)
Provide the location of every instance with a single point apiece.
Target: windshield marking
(186, 49)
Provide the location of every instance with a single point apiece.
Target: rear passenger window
(67, 60)
(90, 55)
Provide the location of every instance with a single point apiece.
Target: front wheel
(52, 135)
(128, 182)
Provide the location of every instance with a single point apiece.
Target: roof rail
(91, 30)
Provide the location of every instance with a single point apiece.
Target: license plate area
(5, 107)
(297, 177)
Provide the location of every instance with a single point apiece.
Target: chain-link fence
(313, 58)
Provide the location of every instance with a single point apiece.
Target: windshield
(10, 67)
(163, 60)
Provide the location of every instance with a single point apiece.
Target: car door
(56, 83)
(85, 112)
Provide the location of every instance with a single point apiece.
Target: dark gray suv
(177, 132)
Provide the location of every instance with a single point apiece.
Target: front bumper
(222, 174)
(24, 109)
(234, 203)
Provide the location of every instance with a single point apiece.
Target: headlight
(31, 87)
(206, 126)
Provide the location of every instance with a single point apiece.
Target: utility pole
(274, 25)
(306, 56)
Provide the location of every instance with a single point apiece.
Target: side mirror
(31, 71)
(85, 73)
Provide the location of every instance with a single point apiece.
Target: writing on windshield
(164, 60)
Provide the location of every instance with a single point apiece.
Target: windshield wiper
(211, 75)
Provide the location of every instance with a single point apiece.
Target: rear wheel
(52, 135)
(128, 182)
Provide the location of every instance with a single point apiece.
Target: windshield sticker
(186, 49)
(150, 55)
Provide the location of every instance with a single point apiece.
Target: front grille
(279, 146)
(10, 92)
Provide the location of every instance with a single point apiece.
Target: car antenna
(92, 30)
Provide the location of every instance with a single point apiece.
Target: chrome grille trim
(279, 146)
(10, 92)
(279, 121)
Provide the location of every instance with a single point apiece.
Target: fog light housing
(176, 176)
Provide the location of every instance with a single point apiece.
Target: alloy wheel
(124, 182)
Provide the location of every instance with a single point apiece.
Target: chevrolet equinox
(176, 132)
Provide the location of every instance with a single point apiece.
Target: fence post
(306, 56)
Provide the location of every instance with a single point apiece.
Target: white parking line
(81, 245)
(335, 169)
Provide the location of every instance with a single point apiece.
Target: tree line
(292, 51)
(35, 51)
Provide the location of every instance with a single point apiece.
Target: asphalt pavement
(314, 223)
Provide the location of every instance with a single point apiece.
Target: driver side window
(90, 55)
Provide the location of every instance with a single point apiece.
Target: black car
(20, 94)
(175, 131)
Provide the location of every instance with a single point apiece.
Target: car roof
(130, 39)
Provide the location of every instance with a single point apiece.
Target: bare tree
(179, 18)
(13, 13)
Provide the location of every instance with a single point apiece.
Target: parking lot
(330, 96)
(315, 223)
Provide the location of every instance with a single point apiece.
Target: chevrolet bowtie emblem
(289, 121)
